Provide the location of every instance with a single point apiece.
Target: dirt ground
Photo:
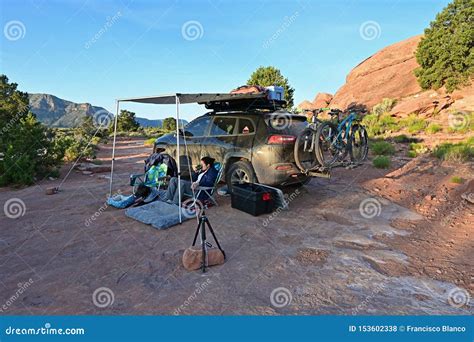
(366, 241)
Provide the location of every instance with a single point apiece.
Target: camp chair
(142, 179)
(209, 190)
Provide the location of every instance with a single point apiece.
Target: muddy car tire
(240, 172)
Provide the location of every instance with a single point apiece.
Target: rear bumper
(271, 175)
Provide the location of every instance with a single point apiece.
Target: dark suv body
(253, 146)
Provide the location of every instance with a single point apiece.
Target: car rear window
(223, 126)
(286, 123)
(245, 126)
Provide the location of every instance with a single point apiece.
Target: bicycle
(305, 144)
(337, 138)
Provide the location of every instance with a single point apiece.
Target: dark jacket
(207, 180)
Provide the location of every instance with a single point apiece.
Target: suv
(255, 147)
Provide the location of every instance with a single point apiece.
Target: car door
(221, 138)
(245, 134)
(191, 142)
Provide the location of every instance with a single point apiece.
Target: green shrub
(457, 180)
(378, 125)
(415, 149)
(381, 162)
(460, 152)
(403, 138)
(382, 148)
(383, 107)
(149, 142)
(413, 123)
(433, 128)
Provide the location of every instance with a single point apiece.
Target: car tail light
(281, 139)
(266, 196)
(284, 167)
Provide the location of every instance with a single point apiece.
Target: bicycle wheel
(305, 145)
(359, 146)
(327, 149)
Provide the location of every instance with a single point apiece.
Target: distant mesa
(55, 112)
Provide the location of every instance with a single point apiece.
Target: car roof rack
(252, 104)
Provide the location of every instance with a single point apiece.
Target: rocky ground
(364, 242)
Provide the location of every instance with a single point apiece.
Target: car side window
(223, 126)
(245, 126)
(197, 128)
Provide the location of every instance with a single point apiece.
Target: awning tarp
(193, 98)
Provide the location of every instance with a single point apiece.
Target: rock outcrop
(386, 74)
(389, 73)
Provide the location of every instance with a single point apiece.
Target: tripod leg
(204, 247)
(197, 232)
(214, 236)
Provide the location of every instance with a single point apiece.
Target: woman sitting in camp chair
(205, 178)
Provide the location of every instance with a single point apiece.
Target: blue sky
(96, 51)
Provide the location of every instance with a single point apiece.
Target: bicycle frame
(347, 124)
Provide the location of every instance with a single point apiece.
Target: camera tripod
(201, 227)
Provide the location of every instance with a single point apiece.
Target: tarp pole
(113, 148)
(177, 158)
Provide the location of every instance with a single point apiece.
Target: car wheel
(240, 172)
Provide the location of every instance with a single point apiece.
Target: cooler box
(275, 93)
(252, 199)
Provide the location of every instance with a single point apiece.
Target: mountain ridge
(53, 111)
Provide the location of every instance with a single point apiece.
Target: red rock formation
(386, 74)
